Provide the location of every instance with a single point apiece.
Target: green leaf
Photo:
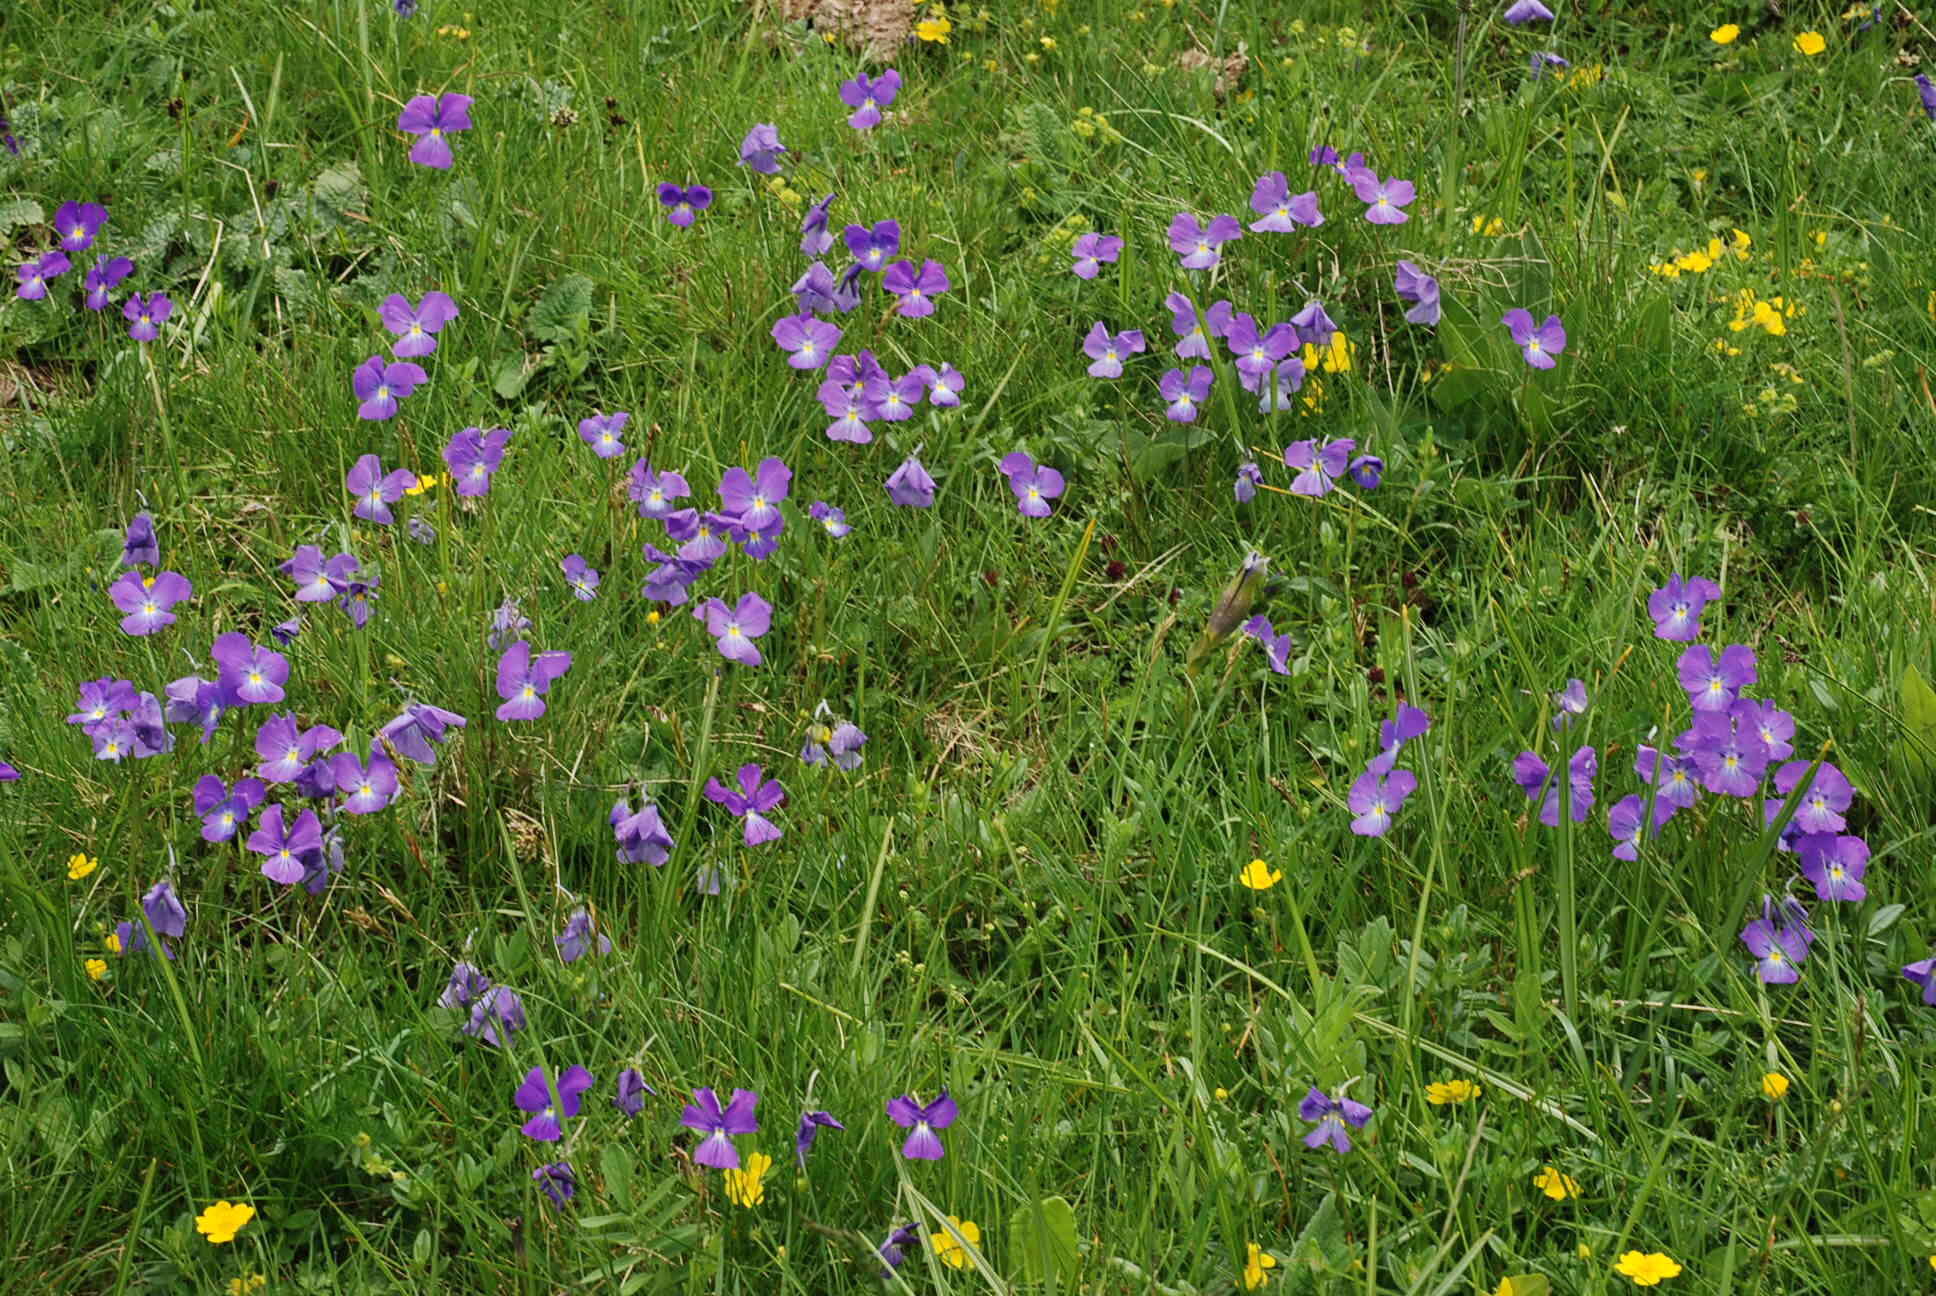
(508, 377)
(616, 1164)
(1918, 745)
(21, 211)
(564, 313)
(1045, 1236)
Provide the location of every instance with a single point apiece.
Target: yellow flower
(1774, 1086)
(79, 866)
(1724, 34)
(1441, 1092)
(96, 968)
(424, 483)
(114, 943)
(1259, 876)
(1721, 345)
(243, 1286)
(1255, 1265)
(1646, 1270)
(222, 1221)
(1556, 1185)
(744, 1187)
(945, 1247)
(1335, 358)
(1698, 175)
(934, 30)
(652, 617)
(1490, 226)
(1696, 262)
(1809, 43)
(1048, 43)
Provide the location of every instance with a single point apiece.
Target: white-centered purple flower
(33, 275)
(719, 1124)
(868, 95)
(1279, 211)
(416, 327)
(808, 342)
(376, 491)
(1421, 290)
(909, 486)
(761, 149)
(923, 1142)
(1318, 467)
(549, 1109)
(433, 121)
(1092, 251)
(1034, 486)
(1200, 247)
(1538, 343)
(750, 801)
(1107, 351)
(379, 385)
(524, 677)
(602, 431)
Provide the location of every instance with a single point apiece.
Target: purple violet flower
(550, 1109)
(909, 486)
(286, 748)
(1185, 392)
(366, 786)
(755, 796)
(1199, 247)
(831, 519)
(601, 432)
(524, 678)
(811, 1123)
(580, 937)
(1249, 477)
(1538, 344)
(472, 456)
(1537, 781)
(816, 235)
(808, 342)
(1525, 11)
(1280, 212)
(1923, 971)
(916, 289)
(224, 811)
(101, 280)
(416, 327)
(1834, 864)
(1277, 647)
(872, 247)
(555, 1179)
(1318, 467)
(1386, 199)
(286, 854)
(146, 315)
(1376, 797)
(414, 732)
(1676, 607)
(1034, 485)
(1331, 1115)
(705, 1116)
(580, 575)
(734, 629)
(77, 223)
(868, 95)
(684, 204)
(374, 491)
(1107, 352)
(1092, 251)
(760, 151)
(1422, 290)
(379, 386)
(923, 1144)
(33, 276)
(642, 838)
(433, 121)
(497, 1016)
(632, 1090)
(250, 673)
(145, 600)
(1778, 951)
(1713, 683)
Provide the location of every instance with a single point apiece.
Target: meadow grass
(1028, 893)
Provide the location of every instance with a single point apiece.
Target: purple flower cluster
(77, 225)
(1380, 792)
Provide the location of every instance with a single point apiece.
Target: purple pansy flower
(146, 600)
(286, 853)
(1277, 647)
(654, 492)
(1923, 971)
(846, 406)
(1926, 91)
(1258, 351)
(831, 519)
(632, 1090)
(548, 1109)
(734, 629)
(1249, 477)
(1193, 331)
(146, 315)
(375, 492)
(287, 749)
(140, 546)
(1282, 213)
(497, 1016)
(416, 327)
(433, 121)
(1537, 781)
(33, 276)
(601, 432)
(1385, 199)
(816, 235)
(1422, 290)
(1376, 797)
(872, 247)
(580, 937)
(555, 1179)
(163, 909)
(1106, 352)
(1318, 467)
(808, 342)
(367, 786)
(683, 204)
(1091, 251)
(893, 399)
(523, 678)
(909, 486)
(1713, 683)
(380, 385)
(923, 1144)
(472, 456)
(1525, 11)
(1538, 344)
(420, 725)
(1199, 247)
(223, 810)
(581, 576)
(1185, 392)
(868, 95)
(1834, 864)
(829, 739)
(1569, 703)
(719, 1124)
(1034, 485)
(1331, 1115)
(754, 498)
(101, 280)
(250, 673)
(761, 149)
(1314, 325)
(916, 289)
(811, 1123)
(77, 223)
(1779, 951)
(1823, 806)
(642, 837)
(755, 796)
(1676, 607)
(1624, 823)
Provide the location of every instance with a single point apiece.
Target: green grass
(1028, 893)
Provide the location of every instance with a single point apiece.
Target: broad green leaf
(565, 310)
(1918, 722)
(1044, 1234)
